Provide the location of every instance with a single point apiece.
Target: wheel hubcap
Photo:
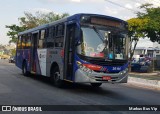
(56, 76)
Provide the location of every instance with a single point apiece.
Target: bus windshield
(101, 42)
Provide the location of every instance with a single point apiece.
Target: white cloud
(137, 5)
(93, 1)
(59, 1)
(156, 3)
(119, 12)
(110, 11)
(54, 1)
(129, 6)
(127, 17)
(75, 0)
(71, 1)
(41, 10)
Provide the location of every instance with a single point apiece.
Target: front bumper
(94, 77)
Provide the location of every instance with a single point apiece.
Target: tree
(152, 30)
(136, 28)
(13, 32)
(13, 52)
(33, 20)
(30, 21)
(146, 24)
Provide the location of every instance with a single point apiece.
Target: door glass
(69, 51)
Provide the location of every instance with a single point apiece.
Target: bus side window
(50, 38)
(41, 43)
(23, 41)
(51, 32)
(19, 43)
(28, 41)
(59, 35)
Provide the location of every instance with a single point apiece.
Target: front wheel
(55, 77)
(96, 84)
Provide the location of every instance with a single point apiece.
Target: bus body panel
(45, 58)
(119, 74)
(54, 56)
(38, 68)
(42, 58)
(21, 56)
(82, 77)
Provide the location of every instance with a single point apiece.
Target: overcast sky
(11, 10)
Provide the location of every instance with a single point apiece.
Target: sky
(11, 10)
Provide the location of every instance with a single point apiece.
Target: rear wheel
(24, 69)
(55, 77)
(96, 84)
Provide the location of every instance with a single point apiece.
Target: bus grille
(108, 63)
(103, 62)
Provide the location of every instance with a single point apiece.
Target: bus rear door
(35, 37)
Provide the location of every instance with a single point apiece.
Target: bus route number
(116, 68)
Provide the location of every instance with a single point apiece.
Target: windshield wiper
(99, 34)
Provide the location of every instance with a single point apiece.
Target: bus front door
(69, 52)
(33, 52)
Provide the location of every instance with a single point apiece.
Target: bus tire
(55, 77)
(24, 69)
(96, 84)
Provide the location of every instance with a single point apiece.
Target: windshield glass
(102, 43)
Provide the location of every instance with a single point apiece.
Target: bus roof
(69, 18)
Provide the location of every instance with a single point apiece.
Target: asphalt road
(15, 89)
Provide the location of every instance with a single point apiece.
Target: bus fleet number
(116, 68)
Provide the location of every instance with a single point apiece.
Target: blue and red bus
(83, 48)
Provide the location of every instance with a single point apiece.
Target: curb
(145, 82)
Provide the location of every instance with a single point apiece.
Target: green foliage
(147, 24)
(152, 29)
(33, 20)
(13, 32)
(30, 21)
(13, 52)
(136, 28)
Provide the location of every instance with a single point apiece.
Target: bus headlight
(79, 64)
(125, 71)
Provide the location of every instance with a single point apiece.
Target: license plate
(106, 78)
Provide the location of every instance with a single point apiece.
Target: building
(150, 51)
(148, 48)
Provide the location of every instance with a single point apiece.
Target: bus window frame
(42, 39)
(28, 36)
(58, 30)
(50, 40)
(19, 39)
(59, 39)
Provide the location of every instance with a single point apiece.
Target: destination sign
(105, 22)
